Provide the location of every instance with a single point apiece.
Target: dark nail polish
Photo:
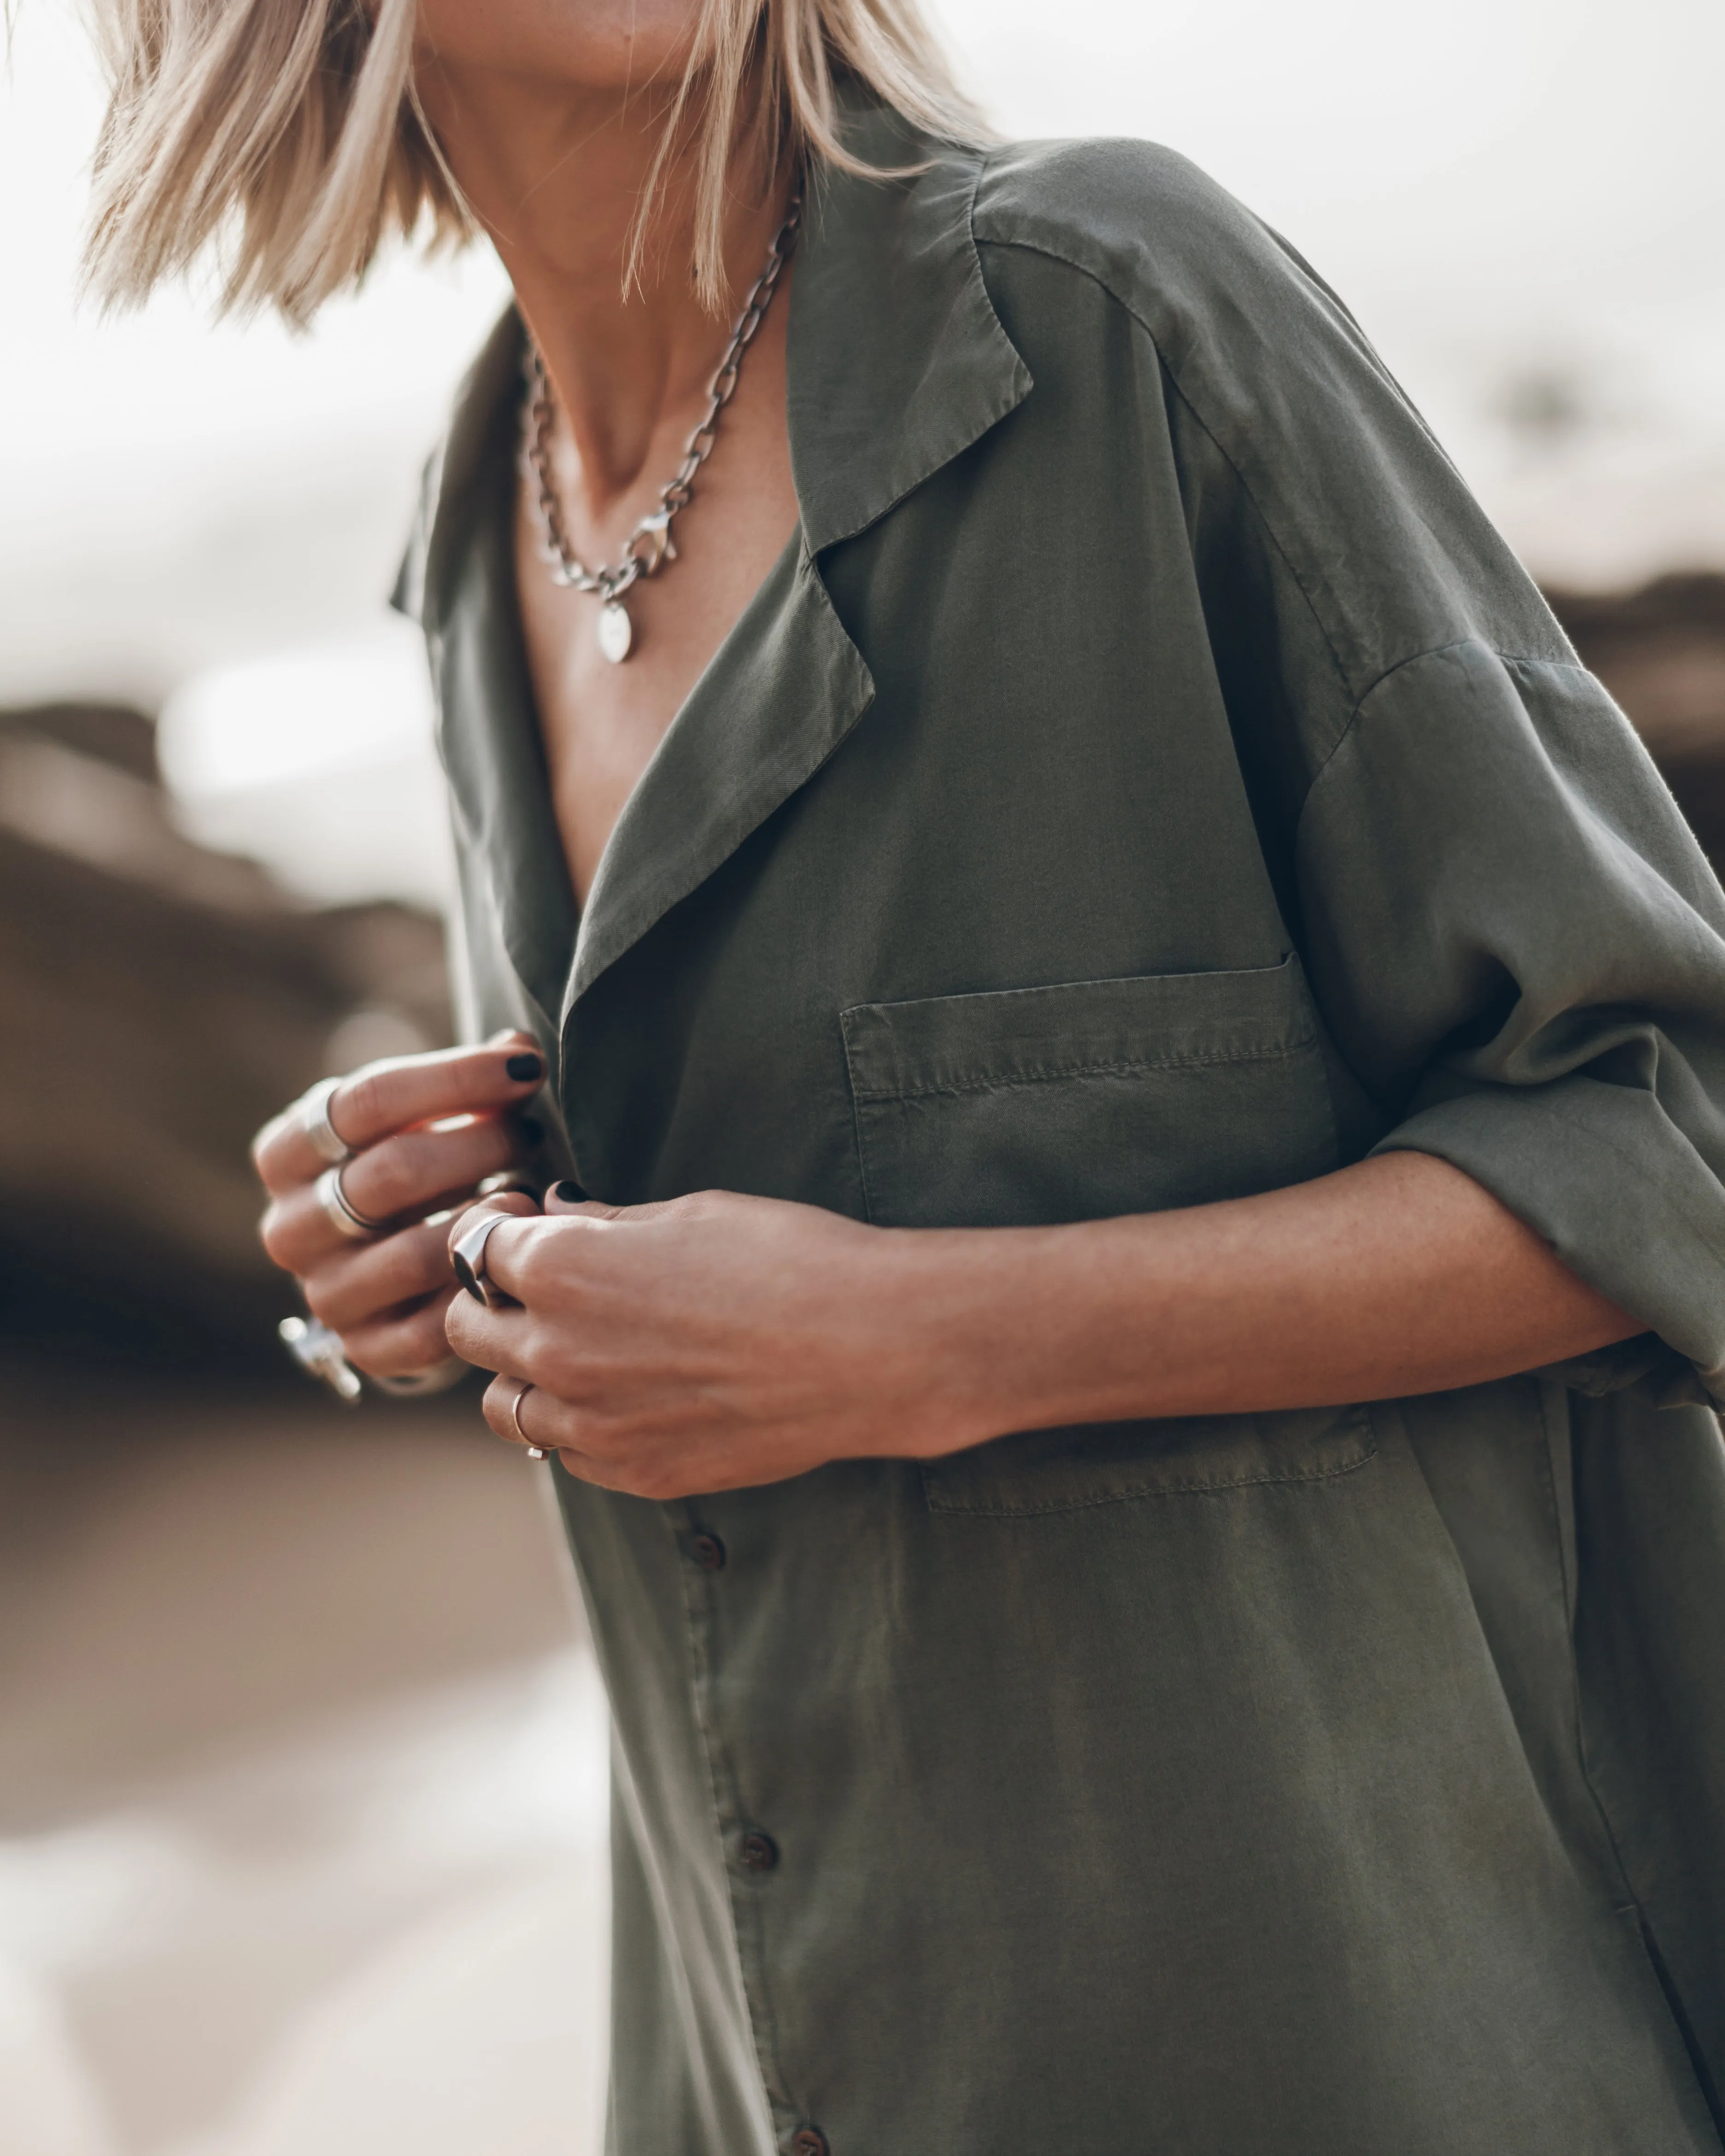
(569, 1192)
(526, 1066)
(531, 1129)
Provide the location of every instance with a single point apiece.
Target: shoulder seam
(1042, 247)
(1120, 300)
(1457, 644)
(1415, 659)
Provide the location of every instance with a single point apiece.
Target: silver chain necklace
(650, 545)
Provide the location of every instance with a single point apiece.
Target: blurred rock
(112, 733)
(161, 1001)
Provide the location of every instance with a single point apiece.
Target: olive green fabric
(1145, 778)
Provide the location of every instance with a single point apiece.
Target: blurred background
(302, 1803)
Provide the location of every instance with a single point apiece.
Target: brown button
(760, 1852)
(709, 1552)
(810, 2141)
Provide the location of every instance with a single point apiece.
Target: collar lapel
(785, 688)
(897, 359)
(896, 363)
(459, 579)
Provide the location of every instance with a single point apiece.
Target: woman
(1085, 924)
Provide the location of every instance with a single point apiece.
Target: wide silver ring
(523, 1386)
(320, 1133)
(467, 1255)
(341, 1212)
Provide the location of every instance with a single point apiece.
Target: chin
(581, 44)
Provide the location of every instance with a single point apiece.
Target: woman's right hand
(386, 1297)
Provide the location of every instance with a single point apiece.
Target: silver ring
(320, 1133)
(413, 1383)
(318, 1351)
(523, 1386)
(339, 1211)
(467, 1255)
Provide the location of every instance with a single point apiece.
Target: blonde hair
(289, 132)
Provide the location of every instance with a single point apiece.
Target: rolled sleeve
(1519, 945)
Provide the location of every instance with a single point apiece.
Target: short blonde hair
(290, 133)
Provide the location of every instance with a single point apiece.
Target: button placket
(746, 1849)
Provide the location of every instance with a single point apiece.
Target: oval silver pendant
(616, 631)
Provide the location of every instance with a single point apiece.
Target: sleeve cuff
(1656, 1371)
(1621, 1194)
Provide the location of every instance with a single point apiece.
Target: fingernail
(569, 1191)
(525, 1066)
(531, 1129)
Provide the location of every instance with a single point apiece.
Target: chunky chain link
(650, 544)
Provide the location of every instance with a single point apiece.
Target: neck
(554, 174)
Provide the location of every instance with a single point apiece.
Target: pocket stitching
(1045, 1074)
(1367, 1454)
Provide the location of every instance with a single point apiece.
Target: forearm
(718, 1342)
(1400, 1275)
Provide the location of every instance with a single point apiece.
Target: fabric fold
(1516, 940)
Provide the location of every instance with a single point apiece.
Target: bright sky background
(1509, 193)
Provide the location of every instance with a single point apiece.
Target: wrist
(999, 1330)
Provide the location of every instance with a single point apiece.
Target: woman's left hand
(714, 1341)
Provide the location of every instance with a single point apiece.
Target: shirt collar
(897, 361)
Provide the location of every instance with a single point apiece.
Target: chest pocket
(1079, 1103)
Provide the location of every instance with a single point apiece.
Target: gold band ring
(523, 1386)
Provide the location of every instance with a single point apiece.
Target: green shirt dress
(1145, 778)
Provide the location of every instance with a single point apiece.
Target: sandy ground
(302, 1785)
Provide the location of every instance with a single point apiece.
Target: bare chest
(601, 721)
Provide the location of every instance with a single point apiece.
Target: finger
(399, 1345)
(510, 1250)
(397, 1094)
(409, 1174)
(419, 1173)
(568, 1197)
(517, 1205)
(539, 1418)
(488, 1339)
(468, 1323)
(503, 1399)
(522, 1205)
(533, 1418)
(363, 1282)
